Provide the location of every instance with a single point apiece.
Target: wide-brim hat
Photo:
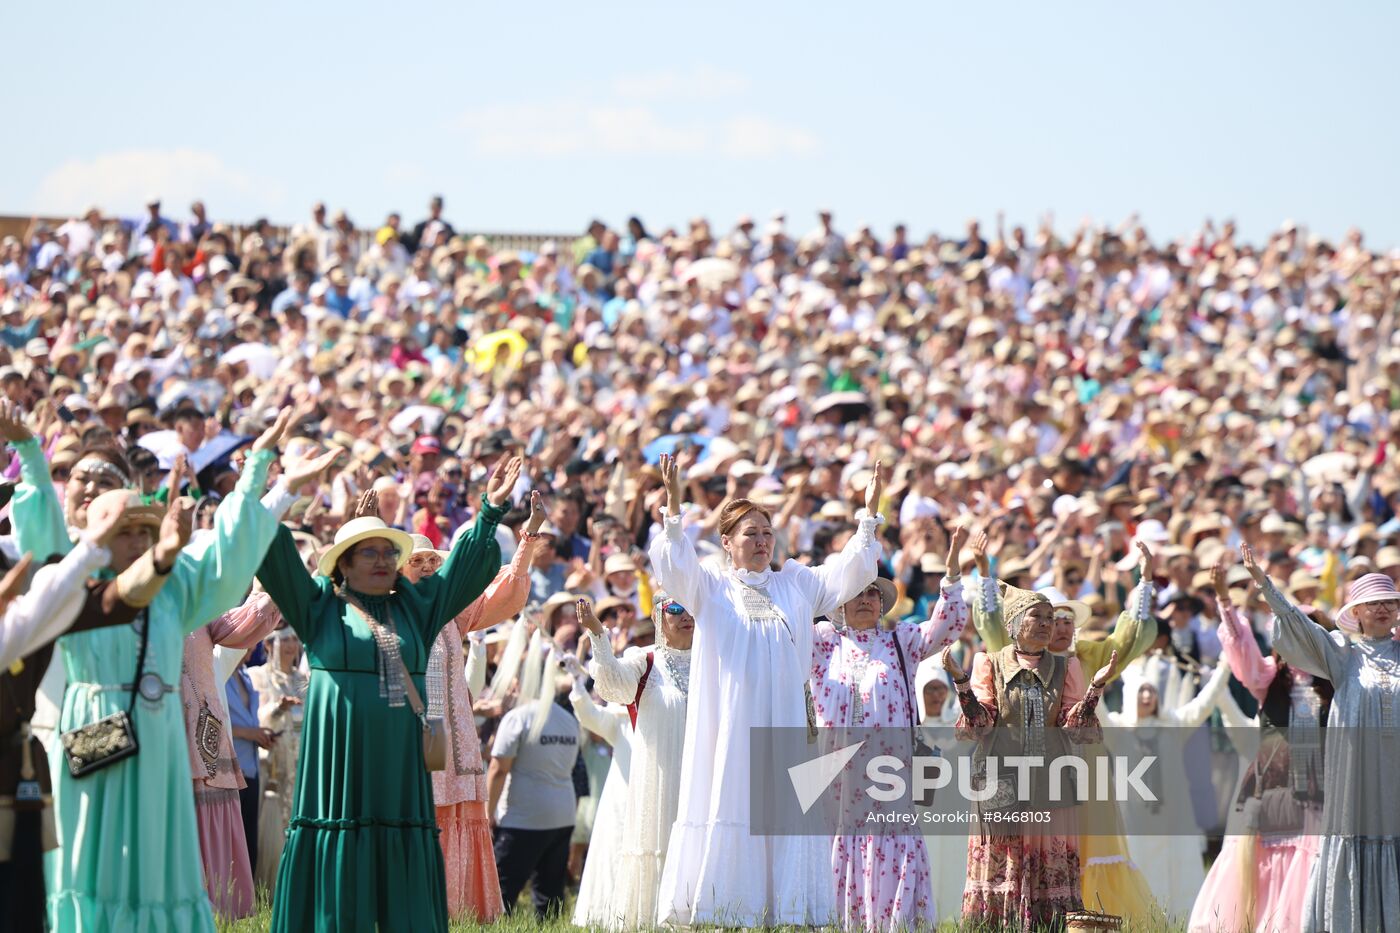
(362, 529)
(1372, 588)
(555, 602)
(422, 545)
(1058, 601)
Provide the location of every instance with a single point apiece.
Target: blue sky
(538, 117)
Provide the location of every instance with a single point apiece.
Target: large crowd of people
(395, 572)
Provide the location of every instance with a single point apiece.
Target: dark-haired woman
(750, 661)
(362, 850)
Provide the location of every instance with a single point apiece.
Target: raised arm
(52, 604)
(208, 580)
(1297, 639)
(674, 562)
(1237, 645)
(986, 600)
(846, 573)
(596, 720)
(476, 664)
(946, 622)
(35, 512)
(475, 558)
(1132, 634)
(506, 594)
(615, 678)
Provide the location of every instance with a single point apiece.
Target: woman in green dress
(129, 855)
(362, 850)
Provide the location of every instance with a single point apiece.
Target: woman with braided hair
(362, 850)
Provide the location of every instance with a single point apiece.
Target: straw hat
(1372, 588)
(362, 529)
(421, 545)
(555, 602)
(1058, 601)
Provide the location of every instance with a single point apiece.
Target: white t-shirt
(539, 791)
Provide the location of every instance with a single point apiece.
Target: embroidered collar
(753, 577)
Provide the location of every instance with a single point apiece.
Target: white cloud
(754, 137)
(124, 181)
(575, 127)
(702, 83)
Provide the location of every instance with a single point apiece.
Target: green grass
(523, 921)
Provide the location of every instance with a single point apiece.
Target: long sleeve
(1078, 707)
(1194, 713)
(678, 568)
(986, 615)
(945, 624)
(1126, 637)
(846, 573)
(1302, 642)
(52, 603)
(1242, 654)
(616, 679)
(279, 500)
(246, 625)
(35, 512)
(476, 667)
(505, 595)
(283, 575)
(979, 702)
(473, 563)
(595, 720)
(208, 581)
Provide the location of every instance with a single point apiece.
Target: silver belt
(150, 686)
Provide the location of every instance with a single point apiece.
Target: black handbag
(919, 746)
(112, 738)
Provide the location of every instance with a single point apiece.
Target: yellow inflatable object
(486, 352)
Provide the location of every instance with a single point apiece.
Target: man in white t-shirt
(531, 801)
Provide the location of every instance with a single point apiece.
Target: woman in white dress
(1172, 864)
(651, 685)
(750, 662)
(600, 870)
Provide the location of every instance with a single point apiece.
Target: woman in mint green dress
(362, 850)
(129, 852)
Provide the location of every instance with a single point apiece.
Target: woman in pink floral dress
(459, 793)
(859, 682)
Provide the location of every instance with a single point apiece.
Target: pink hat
(1372, 588)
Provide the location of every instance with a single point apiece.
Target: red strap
(641, 685)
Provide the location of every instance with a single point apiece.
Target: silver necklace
(680, 676)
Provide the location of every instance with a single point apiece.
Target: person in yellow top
(1110, 881)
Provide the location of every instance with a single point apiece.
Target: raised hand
(178, 476)
(874, 490)
(671, 479)
(104, 518)
(12, 426)
(951, 665)
(307, 469)
(175, 529)
(1146, 564)
(570, 663)
(270, 438)
(1250, 564)
(1218, 581)
(1101, 678)
(979, 553)
(586, 617)
(537, 513)
(503, 482)
(955, 545)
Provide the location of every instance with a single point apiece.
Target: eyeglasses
(375, 555)
(673, 608)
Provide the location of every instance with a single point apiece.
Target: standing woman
(863, 678)
(130, 856)
(1354, 886)
(750, 663)
(362, 848)
(281, 687)
(653, 684)
(1015, 879)
(459, 791)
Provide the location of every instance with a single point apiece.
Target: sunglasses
(674, 609)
